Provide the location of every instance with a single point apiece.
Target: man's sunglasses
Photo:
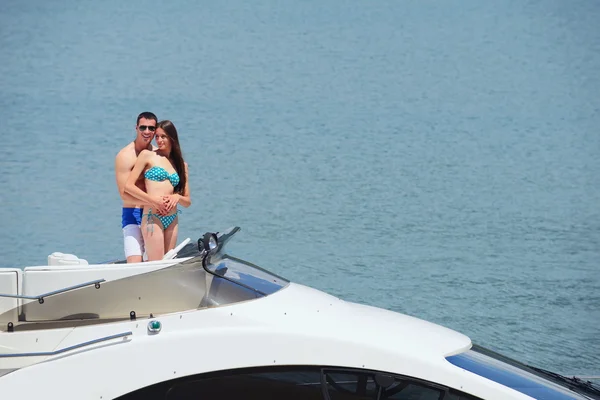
(144, 127)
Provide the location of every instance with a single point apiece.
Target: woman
(166, 179)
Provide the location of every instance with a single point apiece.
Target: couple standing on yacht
(152, 181)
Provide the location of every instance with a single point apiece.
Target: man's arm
(123, 167)
(136, 192)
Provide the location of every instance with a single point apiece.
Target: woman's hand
(170, 202)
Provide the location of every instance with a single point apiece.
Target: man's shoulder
(128, 149)
(126, 155)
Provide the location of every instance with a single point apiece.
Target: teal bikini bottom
(166, 220)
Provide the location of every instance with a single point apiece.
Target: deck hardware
(132, 315)
(65, 349)
(41, 300)
(97, 285)
(10, 327)
(154, 326)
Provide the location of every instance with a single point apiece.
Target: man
(132, 207)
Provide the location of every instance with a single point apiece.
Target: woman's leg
(171, 235)
(153, 237)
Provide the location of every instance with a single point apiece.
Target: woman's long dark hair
(175, 156)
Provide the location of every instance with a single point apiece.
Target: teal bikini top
(159, 174)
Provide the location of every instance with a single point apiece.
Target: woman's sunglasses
(144, 127)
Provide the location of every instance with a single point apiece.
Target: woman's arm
(131, 188)
(184, 198)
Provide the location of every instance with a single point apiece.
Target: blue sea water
(440, 159)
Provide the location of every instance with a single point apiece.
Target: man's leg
(133, 243)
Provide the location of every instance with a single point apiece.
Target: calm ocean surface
(440, 159)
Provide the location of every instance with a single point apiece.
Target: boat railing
(69, 348)
(40, 297)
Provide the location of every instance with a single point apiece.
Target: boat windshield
(186, 285)
(520, 377)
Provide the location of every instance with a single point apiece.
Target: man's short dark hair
(147, 115)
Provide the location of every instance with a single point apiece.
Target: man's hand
(170, 202)
(159, 205)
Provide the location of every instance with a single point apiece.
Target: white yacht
(202, 324)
